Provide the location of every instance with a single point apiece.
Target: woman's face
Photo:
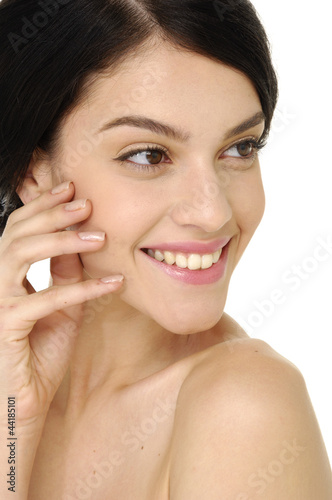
(204, 189)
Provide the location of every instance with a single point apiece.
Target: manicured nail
(61, 188)
(92, 236)
(75, 205)
(113, 279)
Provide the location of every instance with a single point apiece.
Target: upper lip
(193, 247)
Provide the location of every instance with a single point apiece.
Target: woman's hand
(38, 330)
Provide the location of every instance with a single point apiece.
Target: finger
(66, 269)
(20, 319)
(43, 202)
(52, 220)
(21, 254)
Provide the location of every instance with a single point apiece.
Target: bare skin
(138, 399)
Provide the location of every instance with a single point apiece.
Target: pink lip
(192, 247)
(200, 277)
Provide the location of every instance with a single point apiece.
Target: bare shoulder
(244, 426)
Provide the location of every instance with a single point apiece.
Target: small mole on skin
(142, 448)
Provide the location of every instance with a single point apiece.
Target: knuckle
(8, 311)
(59, 217)
(50, 294)
(63, 238)
(13, 223)
(15, 217)
(58, 296)
(12, 219)
(16, 248)
(56, 216)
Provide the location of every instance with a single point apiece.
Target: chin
(190, 325)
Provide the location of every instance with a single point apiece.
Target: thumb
(66, 269)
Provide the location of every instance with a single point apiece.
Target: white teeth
(181, 261)
(216, 256)
(207, 261)
(159, 256)
(170, 258)
(194, 262)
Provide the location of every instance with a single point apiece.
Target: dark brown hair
(49, 49)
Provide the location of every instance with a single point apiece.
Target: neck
(117, 347)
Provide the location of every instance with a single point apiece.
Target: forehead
(167, 82)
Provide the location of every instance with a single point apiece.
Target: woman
(129, 156)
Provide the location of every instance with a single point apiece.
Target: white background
(297, 172)
(296, 167)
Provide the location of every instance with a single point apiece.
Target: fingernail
(113, 279)
(61, 188)
(75, 205)
(92, 236)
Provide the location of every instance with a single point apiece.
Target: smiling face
(201, 185)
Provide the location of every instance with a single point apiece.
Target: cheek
(124, 219)
(127, 213)
(248, 202)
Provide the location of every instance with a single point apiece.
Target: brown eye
(245, 149)
(155, 157)
(146, 157)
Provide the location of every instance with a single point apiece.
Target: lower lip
(200, 277)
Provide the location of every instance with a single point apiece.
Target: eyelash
(257, 145)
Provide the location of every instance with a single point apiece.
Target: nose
(202, 201)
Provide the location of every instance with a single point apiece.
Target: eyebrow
(176, 133)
